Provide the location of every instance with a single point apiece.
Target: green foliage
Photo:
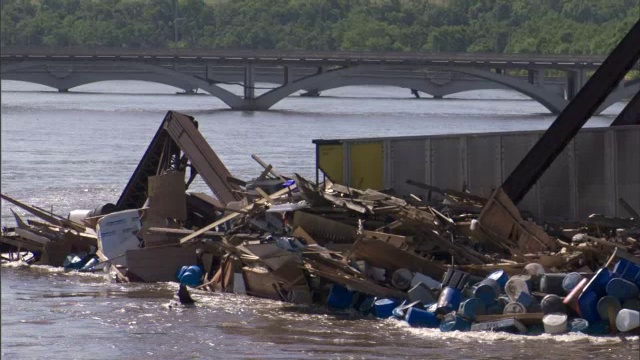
(514, 26)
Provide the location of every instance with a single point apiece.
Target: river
(77, 150)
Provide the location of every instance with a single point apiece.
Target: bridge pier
(535, 77)
(575, 80)
(249, 83)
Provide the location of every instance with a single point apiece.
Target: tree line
(497, 26)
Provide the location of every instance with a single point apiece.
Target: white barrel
(514, 308)
(534, 269)
(515, 286)
(79, 215)
(555, 323)
(627, 320)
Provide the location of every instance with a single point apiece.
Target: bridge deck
(295, 57)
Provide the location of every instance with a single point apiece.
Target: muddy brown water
(77, 151)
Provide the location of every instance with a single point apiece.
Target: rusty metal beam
(184, 133)
(574, 116)
(177, 133)
(135, 192)
(630, 115)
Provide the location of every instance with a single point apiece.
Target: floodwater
(78, 150)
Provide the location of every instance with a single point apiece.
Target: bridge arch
(339, 77)
(168, 77)
(421, 84)
(627, 90)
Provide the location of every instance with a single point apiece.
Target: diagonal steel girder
(574, 116)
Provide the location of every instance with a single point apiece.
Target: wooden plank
(265, 166)
(119, 273)
(46, 216)
(323, 229)
(164, 230)
(381, 254)
(233, 216)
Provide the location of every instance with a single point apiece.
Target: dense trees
(516, 26)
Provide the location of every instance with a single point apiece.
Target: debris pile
(452, 260)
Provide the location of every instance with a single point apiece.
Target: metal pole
(574, 116)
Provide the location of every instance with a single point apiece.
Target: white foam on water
(491, 337)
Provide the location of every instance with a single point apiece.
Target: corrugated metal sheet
(627, 171)
(595, 169)
(407, 162)
(330, 158)
(366, 165)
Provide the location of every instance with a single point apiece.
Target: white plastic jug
(627, 320)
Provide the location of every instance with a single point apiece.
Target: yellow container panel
(330, 161)
(367, 165)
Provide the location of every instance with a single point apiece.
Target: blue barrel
(384, 308)
(402, 309)
(578, 325)
(627, 270)
(471, 308)
(622, 289)
(340, 297)
(487, 290)
(453, 322)
(526, 299)
(449, 300)
(598, 282)
(607, 302)
(588, 306)
(501, 277)
(571, 281)
(421, 318)
(190, 275)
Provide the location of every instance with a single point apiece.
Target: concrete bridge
(437, 74)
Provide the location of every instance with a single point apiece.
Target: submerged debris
(459, 263)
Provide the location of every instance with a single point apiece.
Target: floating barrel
(555, 323)
(570, 281)
(622, 289)
(627, 270)
(487, 290)
(514, 308)
(384, 308)
(422, 318)
(515, 286)
(552, 284)
(501, 277)
(606, 304)
(627, 320)
(453, 322)
(471, 308)
(552, 303)
(588, 306)
(449, 300)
